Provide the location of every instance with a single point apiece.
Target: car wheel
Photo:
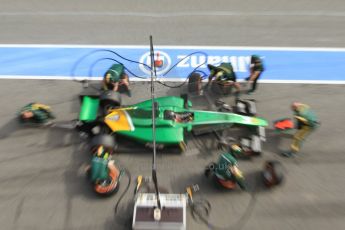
(273, 173)
(194, 83)
(110, 100)
(108, 192)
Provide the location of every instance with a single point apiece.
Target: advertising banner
(173, 62)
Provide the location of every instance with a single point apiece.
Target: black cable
(193, 71)
(201, 209)
(185, 58)
(115, 53)
(180, 85)
(77, 63)
(128, 174)
(97, 61)
(140, 63)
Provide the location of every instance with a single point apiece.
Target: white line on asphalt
(176, 14)
(261, 48)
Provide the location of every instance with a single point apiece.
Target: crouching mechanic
(224, 74)
(228, 173)
(36, 113)
(114, 77)
(306, 121)
(104, 173)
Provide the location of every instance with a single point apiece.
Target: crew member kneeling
(224, 75)
(36, 113)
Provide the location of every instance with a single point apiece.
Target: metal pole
(154, 106)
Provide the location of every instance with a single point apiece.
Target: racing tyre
(108, 141)
(227, 184)
(107, 189)
(108, 192)
(110, 185)
(110, 100)
(194, 83)
(273, 173)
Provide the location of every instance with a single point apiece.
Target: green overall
(99, 169)
(41, 113)
(306, 123)
(256, 69)
(227, 71)
(223, 172)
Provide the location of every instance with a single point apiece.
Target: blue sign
(174, 63)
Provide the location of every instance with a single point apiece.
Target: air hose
(97, 61)
(185, 81)
(195, 70)
(80, 60)
(201, 210)
(129, 177)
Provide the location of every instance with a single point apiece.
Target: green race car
(174, 116)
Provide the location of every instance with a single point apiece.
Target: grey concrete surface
(311, 23)
(43, 187)
(41, 179)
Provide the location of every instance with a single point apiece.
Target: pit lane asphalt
(310, 23)
(43, 187)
